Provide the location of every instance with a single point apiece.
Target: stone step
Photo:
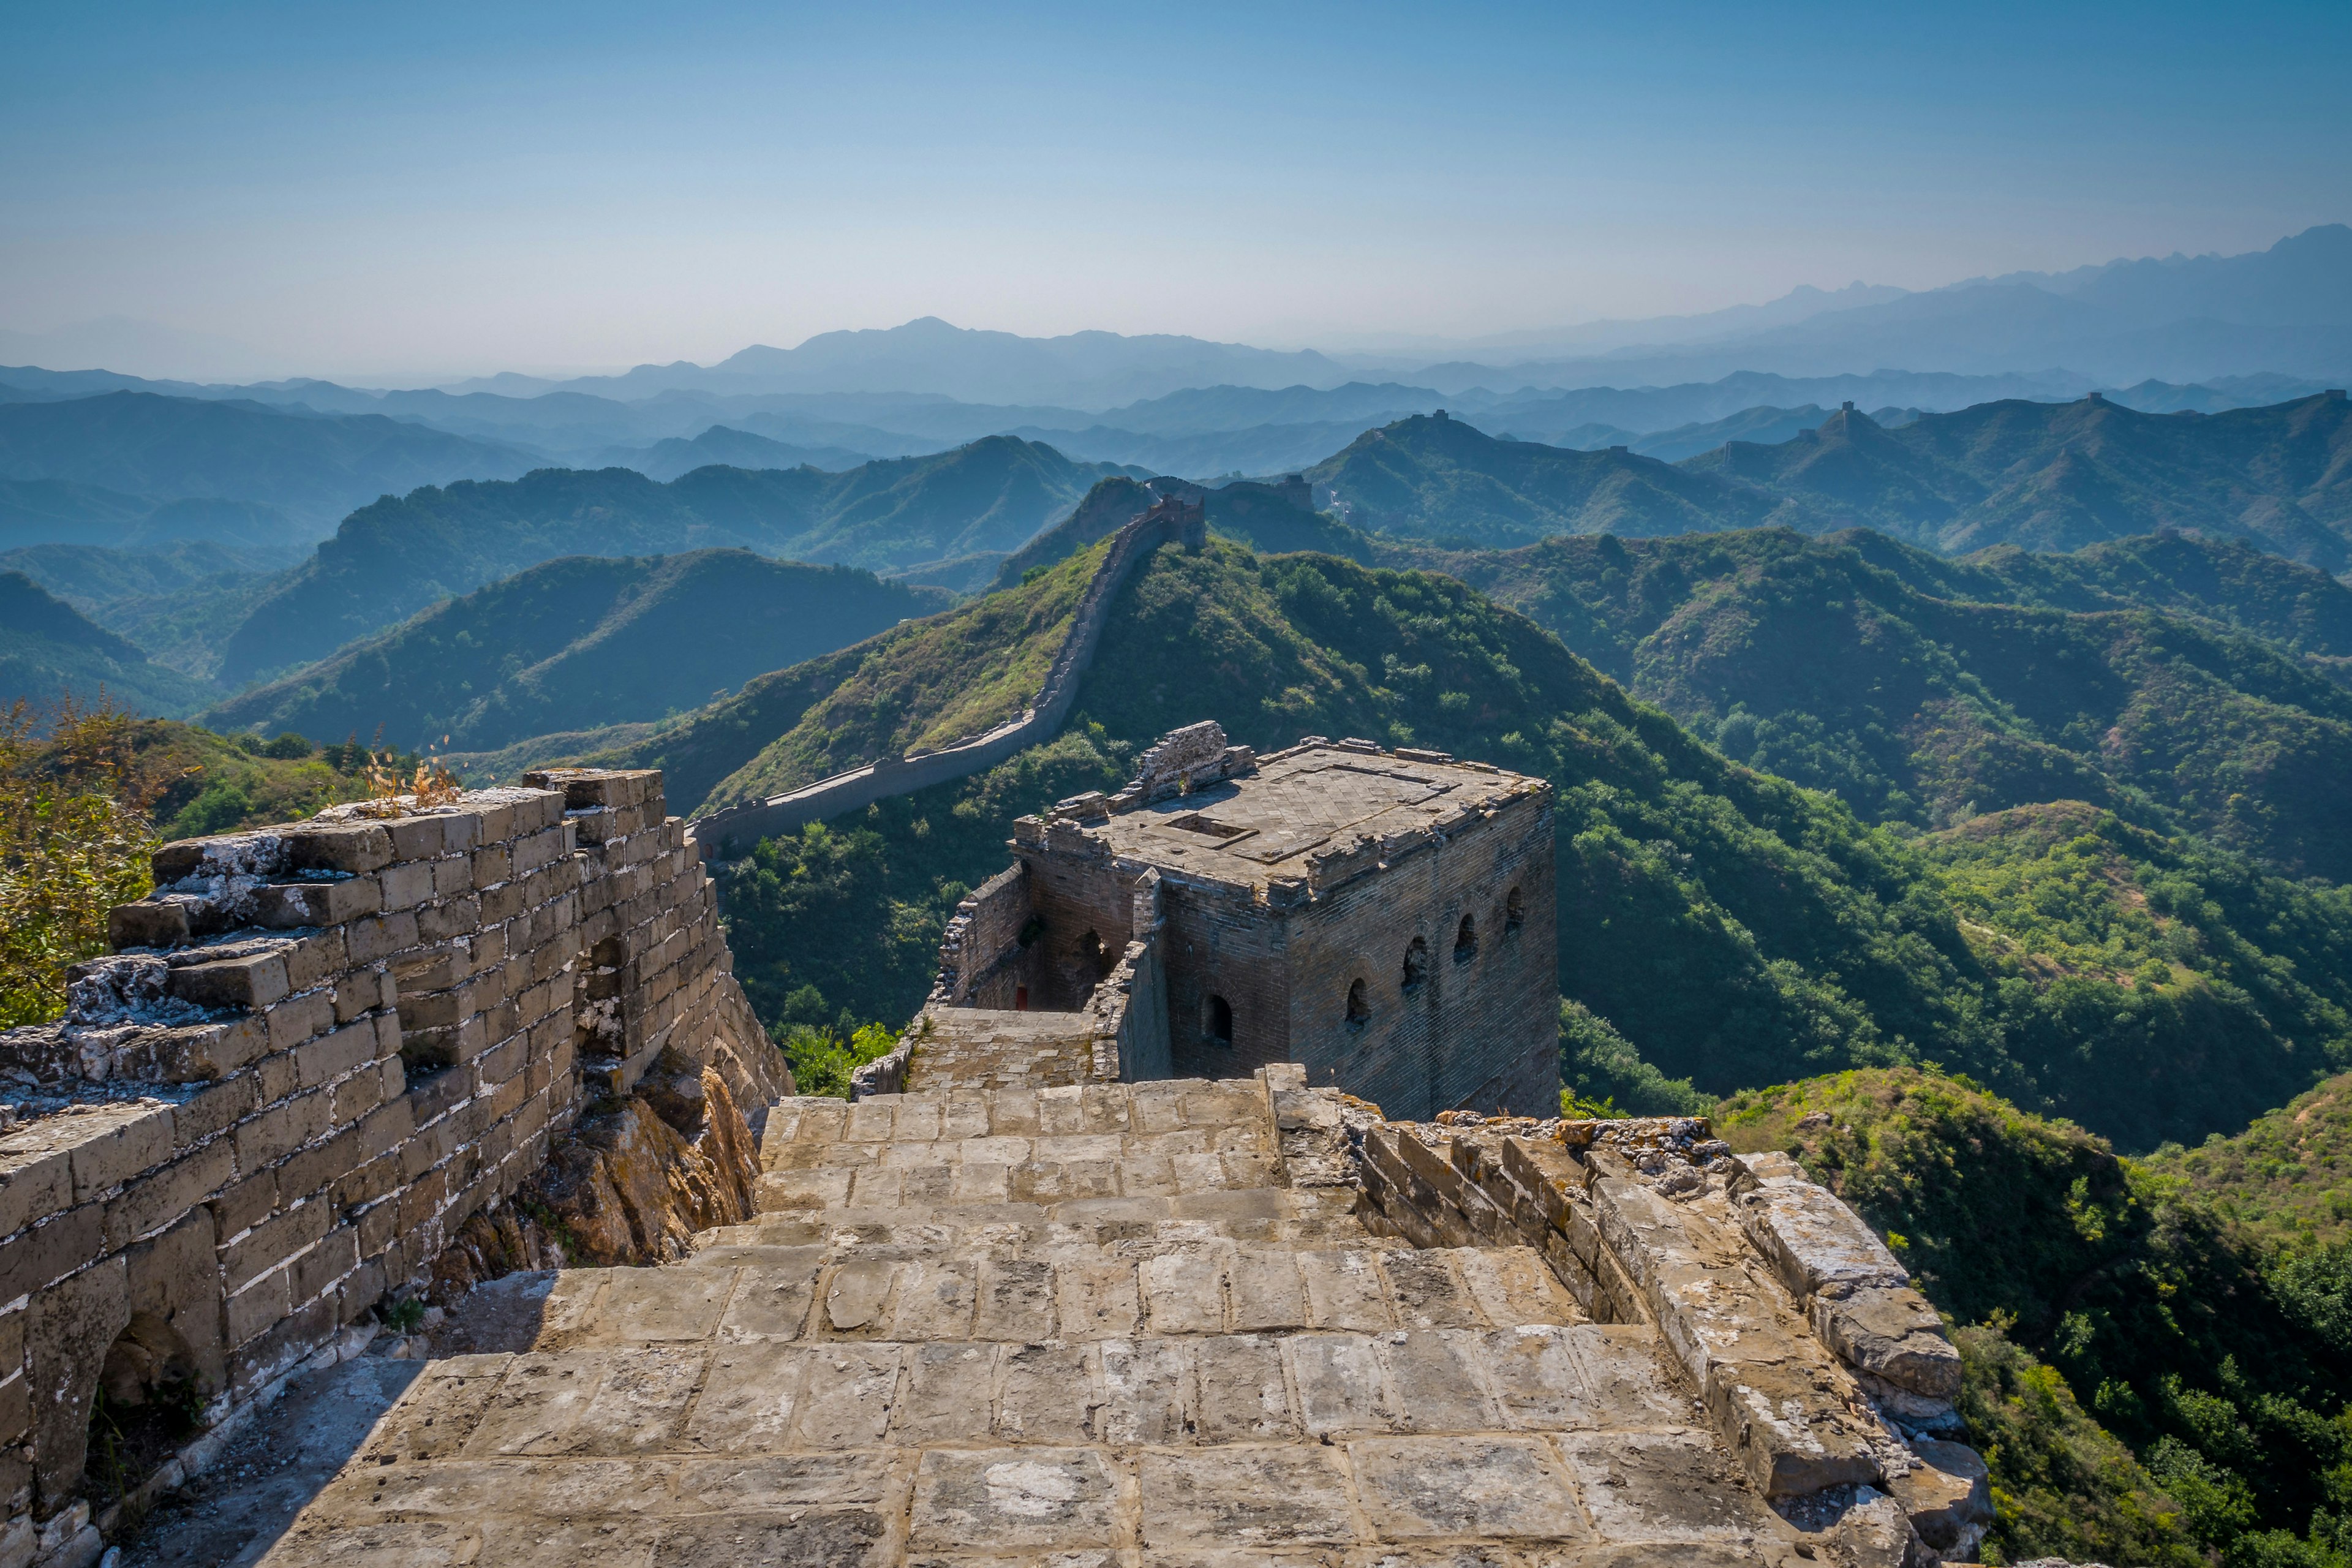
(720, 1398)
(1045, 1183)
(1008, 1149)
(1037, 1291)
(1170, 1105)
(1235, 1452)
(1306, 1217)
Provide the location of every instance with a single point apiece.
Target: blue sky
(352, 189)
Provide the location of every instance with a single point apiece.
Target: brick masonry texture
(321, 1049)
(1180, 1322)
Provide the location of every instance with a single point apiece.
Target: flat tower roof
(1266, 823)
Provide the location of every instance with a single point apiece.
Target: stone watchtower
(1385, 919)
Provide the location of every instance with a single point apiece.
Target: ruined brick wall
(321, 1049)
(1816, 1362)
(1479, 1032)
(1086, 912)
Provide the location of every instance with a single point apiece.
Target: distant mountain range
(666, 460)
(1085, 370)
(2287, 310)
(313, 467)
(2197, 683)
(946, 518)
(2044, 475)
(1199, 433)
(578, 642)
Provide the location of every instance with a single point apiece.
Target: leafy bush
(74, 842)
(1605, 1075)
(822, 1060)
(2062, 1486)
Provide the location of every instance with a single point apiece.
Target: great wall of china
(1172, 522)
(998, 1317)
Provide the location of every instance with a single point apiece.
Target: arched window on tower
(1416, 966)
(1466, 941)
(1515, 913)
(1219, 1022)
(1359, 1004)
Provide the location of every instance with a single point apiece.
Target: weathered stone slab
(1243, 1395)
(1246, 1497)
(1499, 1489)
(1015, 1498)
(1661, 1487)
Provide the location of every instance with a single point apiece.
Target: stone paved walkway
(1078, 1327)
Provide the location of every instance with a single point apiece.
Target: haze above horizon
(436, 193)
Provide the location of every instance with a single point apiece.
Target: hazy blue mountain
(666, 460)
(392, 559)
(179, 601)
(2287, 310)
(1083, 370)
(1431, 476)
(1763, 425)
(1258, 449)
(313, 467)
(2041, 475)
(2061, 476)
(48, 649)
(43, 511)
(1647, 409)
(86, 575)
(577, 642)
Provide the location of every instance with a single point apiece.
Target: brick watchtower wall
(320, 1049)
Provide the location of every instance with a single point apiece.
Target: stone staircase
(1108, 1324)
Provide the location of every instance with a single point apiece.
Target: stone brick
(298, 1018)
(129, 1145)
(337, 847)
(272, 1242)
(160, 1198)
(243, 982)
(407, 887)
(380, 936)
(51, 1250)
(245, 1203)
(275, 1078)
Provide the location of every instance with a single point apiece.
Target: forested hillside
(50, 651)
(580, 642)
(2043, 476)
(2151, 1380)
(1720, 924)
(1840, 664)
(392, 559)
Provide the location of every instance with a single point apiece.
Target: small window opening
(1220, 1020)
(1466, 941)
(1094, 955)
(1359, 1006)
(1515, 913)
(1021, 998)
(1416, 966)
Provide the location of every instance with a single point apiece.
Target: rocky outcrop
(633, 1185)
